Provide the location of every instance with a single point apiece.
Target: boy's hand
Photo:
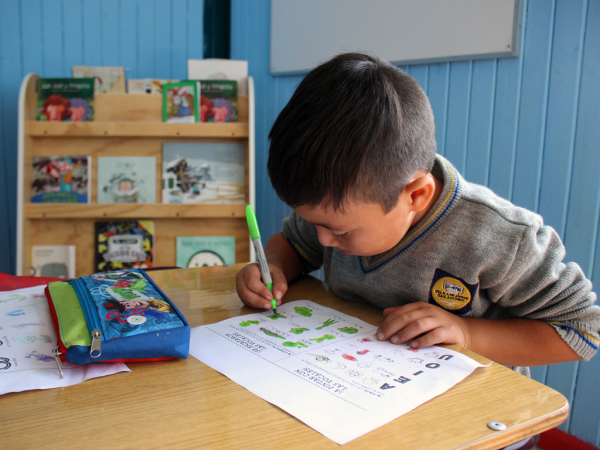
(252, 290)
(425, 323)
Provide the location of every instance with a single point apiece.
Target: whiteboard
(305, 33)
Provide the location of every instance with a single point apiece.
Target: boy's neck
(439, 187)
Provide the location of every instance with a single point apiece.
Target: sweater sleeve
(303, 237)
(539, 285)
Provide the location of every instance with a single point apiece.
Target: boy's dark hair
(356, 128)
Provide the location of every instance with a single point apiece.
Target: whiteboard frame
(305, 33)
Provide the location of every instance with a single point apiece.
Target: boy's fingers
(279, 285)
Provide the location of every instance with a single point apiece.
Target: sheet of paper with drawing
(27, 339)
(327, 368)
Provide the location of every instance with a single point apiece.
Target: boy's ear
(420, 191)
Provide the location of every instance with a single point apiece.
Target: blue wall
(150, 38)
(527, 127)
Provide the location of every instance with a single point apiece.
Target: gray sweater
(474, 254)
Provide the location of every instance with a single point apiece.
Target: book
(124, 245)
(107, 80)
(147, 86)
(127, 179)
(203, 172)
(53, 261)
(218, 101)
(61, 179)
(199, 251)
(65, 99)
(220, 69)
(180, 102)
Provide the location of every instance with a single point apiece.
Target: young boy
(395, 225)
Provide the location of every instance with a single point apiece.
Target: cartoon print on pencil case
(39, 356)
(348, 357)
(327, 323)
(322, 338)
(27, 338)
(298, 344)
(23, 325)
(384, 373)
(321, 358)
(4, 363)
(364, 364)
(247, 323)
(354, 373)
(340, 366)
(363, 340)
(363, 352)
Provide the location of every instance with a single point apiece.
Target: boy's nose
(327, 238)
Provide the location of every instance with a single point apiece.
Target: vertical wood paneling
(73, 35)
(437, 90)
(532, 110)
(527, 127)
(480, 121)
(110, 32)
(582, 215)
(458, 114)
(11, 67)
(92, 34)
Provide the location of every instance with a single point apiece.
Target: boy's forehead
(328, 217)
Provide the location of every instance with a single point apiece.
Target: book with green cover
(199, 251)
(65, 99)
(218, 101)
(180, 102)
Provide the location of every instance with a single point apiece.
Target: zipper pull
(56, 352)
(95, 349)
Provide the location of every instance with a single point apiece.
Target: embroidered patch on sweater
(452, 293)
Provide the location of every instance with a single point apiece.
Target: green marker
(260, 253)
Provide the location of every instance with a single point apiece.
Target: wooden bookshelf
(125, 125)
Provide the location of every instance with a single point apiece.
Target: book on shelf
(180, 102)
(220, 69)
(203, 172)
(107, 80)
(127, 179)
(61, 179)
(147, 86)
(218, 101)
(199, 251)
(65, 99)
(124, 245)
(56, 261)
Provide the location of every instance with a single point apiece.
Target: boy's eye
(337, 236)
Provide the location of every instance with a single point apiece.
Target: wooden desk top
(185, 404)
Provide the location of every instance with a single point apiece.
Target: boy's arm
(518, 342)
(281, 254)
(512, 342)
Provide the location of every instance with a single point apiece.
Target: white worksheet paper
(327, 368)
(27, 339)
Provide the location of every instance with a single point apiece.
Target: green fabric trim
(71, 321)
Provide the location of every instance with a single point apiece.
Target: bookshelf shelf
(125, 125)
(137, 129)
(131, 211)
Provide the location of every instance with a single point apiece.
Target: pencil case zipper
(90, 313)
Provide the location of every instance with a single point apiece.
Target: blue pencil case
(117, 316)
